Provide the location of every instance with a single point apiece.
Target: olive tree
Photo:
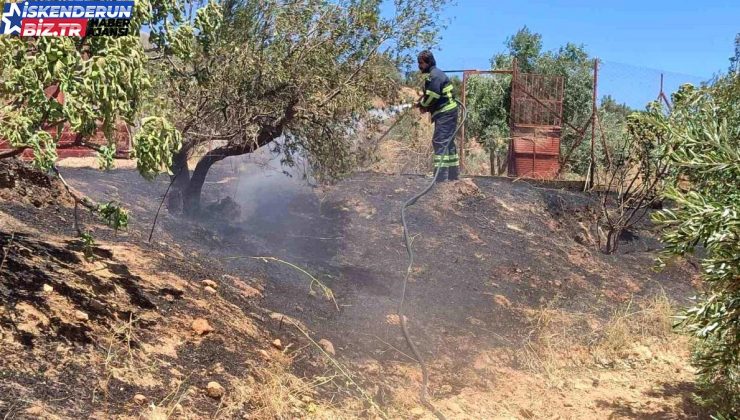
(296, 76)
(488, 100)
(704, 130)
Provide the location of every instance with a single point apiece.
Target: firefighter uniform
(439, 102)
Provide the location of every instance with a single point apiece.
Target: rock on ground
(327, 346)
(209, 283)
(201, 327)
(215, 390)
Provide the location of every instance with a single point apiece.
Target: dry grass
(275, 393)
(407, 149)
(477, 159)
(270, 392)
(171, 406)
(655, 319)
(634, 324)
(561, 340)
(400, 157)
(571, 176)
(123, 360)
(324, 289)
(552, 333)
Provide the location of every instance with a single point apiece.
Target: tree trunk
(607, 246)
(497, 162)
(612, 240)
(493, 161)
(615, 244)
(180, 180)
(502, 166)
(191, 194)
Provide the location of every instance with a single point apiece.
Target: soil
(82, 335)
(511, 303)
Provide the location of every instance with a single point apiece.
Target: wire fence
(636, 86)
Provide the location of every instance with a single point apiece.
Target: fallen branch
(314, 281)
(317, 237)
(79, 198)
(12, 152)
(325, 289)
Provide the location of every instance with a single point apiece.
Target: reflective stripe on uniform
(449, 107)
(447, 92)
(431, 96)
(445, 161)
(451, 158)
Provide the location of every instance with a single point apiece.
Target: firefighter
(438, 101)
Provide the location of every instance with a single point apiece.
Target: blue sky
(636, 40)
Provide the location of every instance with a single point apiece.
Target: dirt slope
(134, 330)
(518, 315)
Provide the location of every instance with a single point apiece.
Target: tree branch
(12, 152)
(78, 197)
(353, 75)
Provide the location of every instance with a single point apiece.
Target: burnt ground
(487, 260)
(82, 335)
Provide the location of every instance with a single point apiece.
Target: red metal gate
(536, 125)
(69, 144)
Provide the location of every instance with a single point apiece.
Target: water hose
(410, 254)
